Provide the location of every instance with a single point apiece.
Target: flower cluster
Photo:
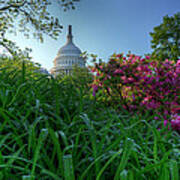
(174, 122)
(139, 83)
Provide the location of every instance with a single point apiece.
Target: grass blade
(126, 153)
(68, 167)
(108, 162)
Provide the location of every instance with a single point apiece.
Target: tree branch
(18, 5)
(7, 48)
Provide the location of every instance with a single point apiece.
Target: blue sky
(104, 27)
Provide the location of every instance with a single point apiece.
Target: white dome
(68, 56)
(68, 49)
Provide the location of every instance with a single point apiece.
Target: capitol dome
(67, 56)
(69, 48)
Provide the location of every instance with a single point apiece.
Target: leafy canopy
(31, 17)
(166, 38)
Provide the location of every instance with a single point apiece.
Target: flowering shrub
(139, 83)
(174, 122)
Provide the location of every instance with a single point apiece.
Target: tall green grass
(54, 129)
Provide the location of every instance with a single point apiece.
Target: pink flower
(123, 78)
(166, 112)
(119, 55)
(176, 109)
(97, 74)
(165, 122)
(178, 63)
(142, 60)
(139, 68)
(118, 71)
(175, 122)
(130, 79)
(147, 98)
(101, 67)
(166, 61)
(95, 88)
(93, 69)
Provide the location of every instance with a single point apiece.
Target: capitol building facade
(68, 56)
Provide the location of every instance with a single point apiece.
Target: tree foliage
(166, 38)
(31, 17)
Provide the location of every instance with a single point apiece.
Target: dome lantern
(68, 56)
(69, 36)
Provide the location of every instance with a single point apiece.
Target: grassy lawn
(53, 129)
